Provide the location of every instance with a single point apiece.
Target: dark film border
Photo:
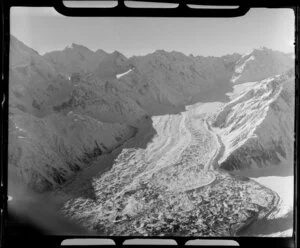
(9, 238)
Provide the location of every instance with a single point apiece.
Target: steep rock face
(257, 127)
(46, 151)
(75, 59)
(34, 83)
(260, 64)
(58, 126)
(174, 80)
(111, 65)
(101, 99)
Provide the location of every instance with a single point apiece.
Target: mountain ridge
(146, 145)
(159, 83)
(268, 106)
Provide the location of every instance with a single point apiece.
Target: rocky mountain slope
(132, 146)
(160, 82)
(260, 64)
(34, 83)
(115, 95)
(257, 126)
(57, 125)
(45, 152)
(75, 59)
(177, 80)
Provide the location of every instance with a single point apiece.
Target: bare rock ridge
(69, 107)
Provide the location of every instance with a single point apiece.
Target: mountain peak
(15, 42)
(160, 51)
(262, 49)
(77, 47)
(100, 52)
(117, 54)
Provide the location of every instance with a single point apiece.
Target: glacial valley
(158, 145)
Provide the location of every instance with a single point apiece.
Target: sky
(44, 30)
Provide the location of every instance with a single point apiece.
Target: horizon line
(149, 53)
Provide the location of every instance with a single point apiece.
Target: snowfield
(123, 74)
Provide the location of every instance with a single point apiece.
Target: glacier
(123, 142)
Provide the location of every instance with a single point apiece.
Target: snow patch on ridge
(239, 69)
(123, 74)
